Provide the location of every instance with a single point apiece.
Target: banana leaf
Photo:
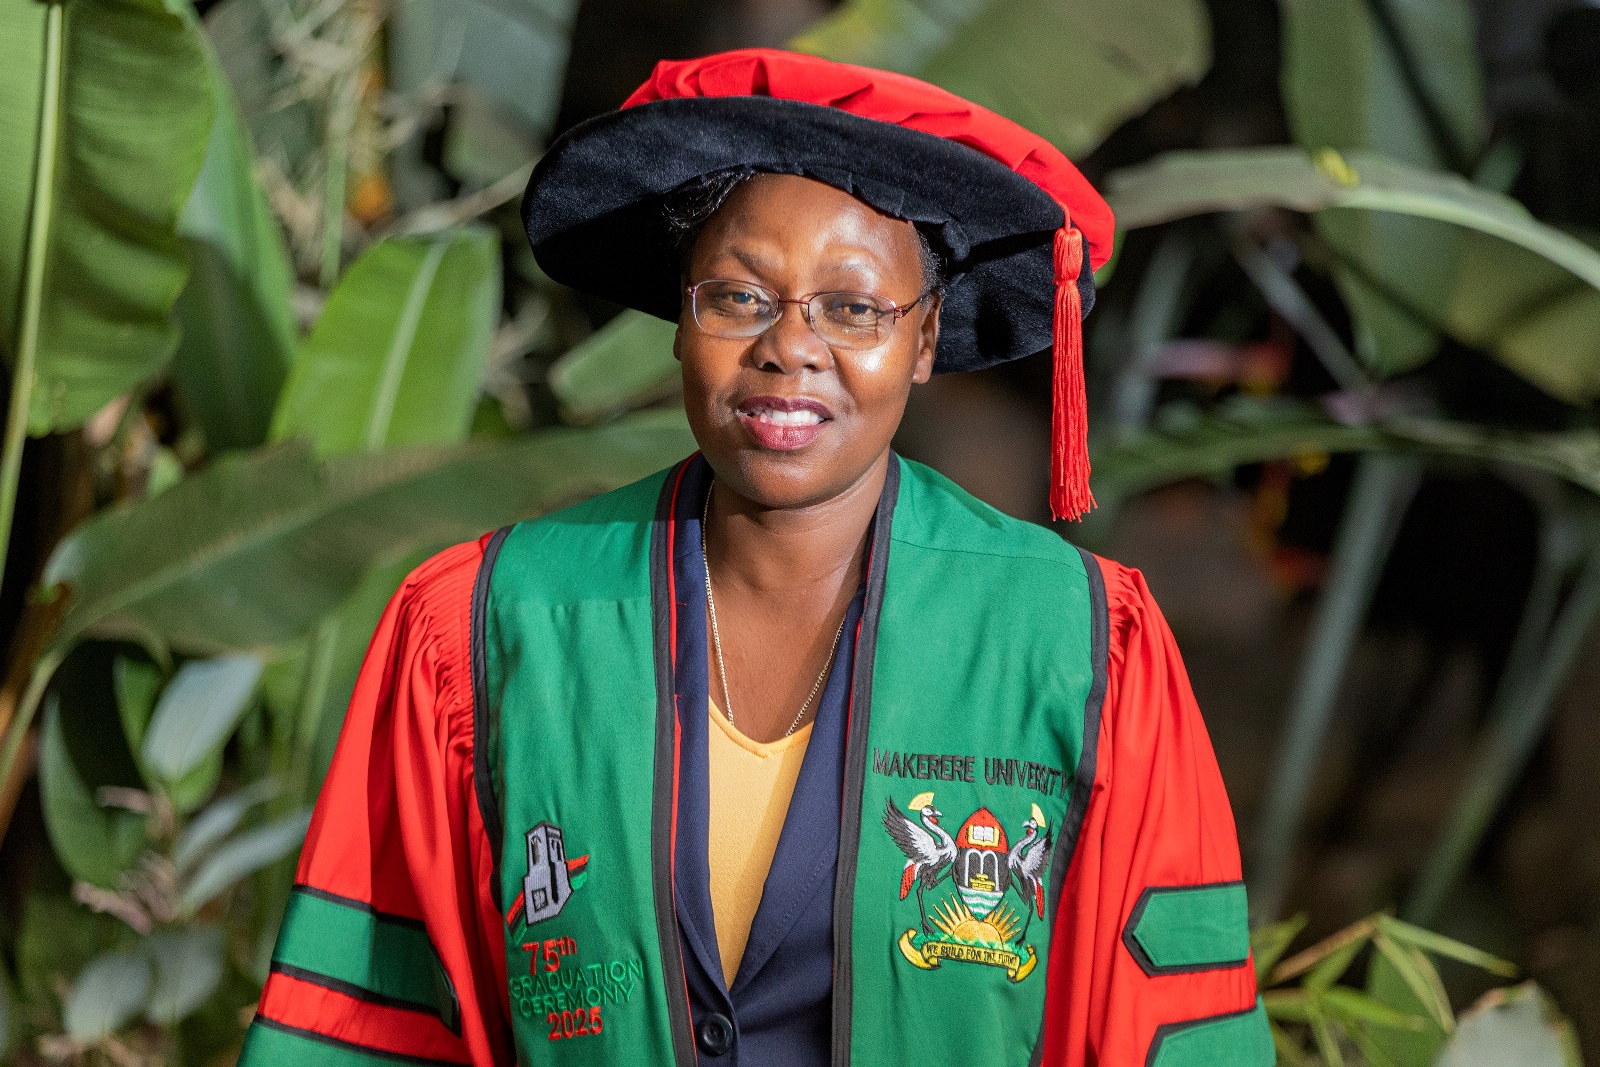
(110, 991)
(252, 551)
(1518, 1025)
(188, 965)
(236, 313)
(1179, 184)
(257, 548)
(282, 125)
(195, 717)
(510, 52)
(514, 51)
(1399, 78)
(1534, 316)
(1190, 445)
(1071, 71)
(94, 844)
(308, 686)
(1521, 290)
(1406, 1048)
(104, 128)
(397, 356)
(625, 363)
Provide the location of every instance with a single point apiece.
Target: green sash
(966, 778)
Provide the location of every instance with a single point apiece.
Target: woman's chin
(788, 480)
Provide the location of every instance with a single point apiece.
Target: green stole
(980, 659)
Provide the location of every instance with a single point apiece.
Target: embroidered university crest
(976, 923)
(551, 877)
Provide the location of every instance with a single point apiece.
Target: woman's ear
(683, 311)
(927, 340)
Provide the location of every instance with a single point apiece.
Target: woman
(793, 753)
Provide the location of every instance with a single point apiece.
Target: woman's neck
(784, 554)
(784, 579)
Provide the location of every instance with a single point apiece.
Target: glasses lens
(849, 320)
(734, 309)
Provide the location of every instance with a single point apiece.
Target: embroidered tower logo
(976, 923)
(551, 876)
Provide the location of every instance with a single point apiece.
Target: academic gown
(398, 837)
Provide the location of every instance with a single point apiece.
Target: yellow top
(751, 785)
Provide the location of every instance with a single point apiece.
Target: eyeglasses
(856, 321)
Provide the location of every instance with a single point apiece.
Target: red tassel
(1070, 497)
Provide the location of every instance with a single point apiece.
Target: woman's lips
(783, 424)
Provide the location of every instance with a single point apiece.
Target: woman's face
(783, 419)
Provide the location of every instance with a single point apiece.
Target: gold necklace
(716, 638)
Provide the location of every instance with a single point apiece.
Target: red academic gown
(397, 829)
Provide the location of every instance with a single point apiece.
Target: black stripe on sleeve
(1088, 757)
(483, 711)
(661, 829)
(855, 767)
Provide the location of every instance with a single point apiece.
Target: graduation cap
(1019, 229)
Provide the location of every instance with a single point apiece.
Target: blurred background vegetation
(273, 336)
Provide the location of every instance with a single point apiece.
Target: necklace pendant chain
(716, 638)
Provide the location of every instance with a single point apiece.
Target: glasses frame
(895, 313)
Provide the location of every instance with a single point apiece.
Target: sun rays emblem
(977, 923)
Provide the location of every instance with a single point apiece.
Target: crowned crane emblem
(976, 923)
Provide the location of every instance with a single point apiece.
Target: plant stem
(313, 699)
(27, 348)
(1303, 961)
(1520, 718)
(338, 149)
(1284, 295)
(342, 113)
(1157, 314)
(43, 670)
(1561, 553)
(1383, 488)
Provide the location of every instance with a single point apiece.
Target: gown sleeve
(389, 950)
(1150, 963)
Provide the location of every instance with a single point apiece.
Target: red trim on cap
(894, 98)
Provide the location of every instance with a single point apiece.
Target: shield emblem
(548, 885)
(981, 874)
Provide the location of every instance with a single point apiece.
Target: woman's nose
(790, 346)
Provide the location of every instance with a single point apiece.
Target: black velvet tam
(593, 209)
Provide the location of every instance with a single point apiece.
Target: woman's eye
(733, 300)
(852, 310)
